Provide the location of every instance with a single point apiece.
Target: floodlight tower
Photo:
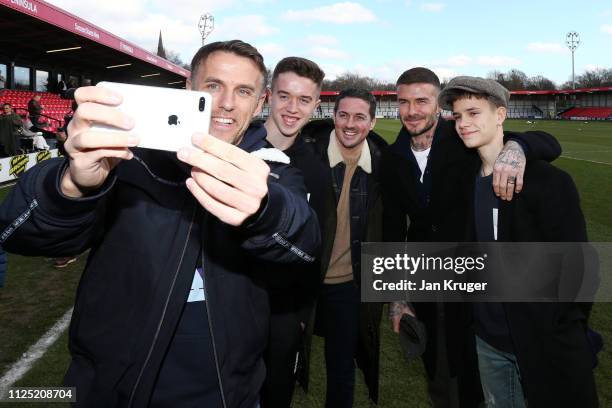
(572, 39)
(206, 25)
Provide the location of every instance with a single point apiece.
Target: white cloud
(144, 33)
(246, 27)
(459, 60)
(432, 7)
(333, 70)
(606, 28)
(187, 10)
(498, 61)
(547, 48)
(328, 53)
(338, 13)
(320, 40)
(408, 3)
(445, 73)
(139, 21)
(272, 53)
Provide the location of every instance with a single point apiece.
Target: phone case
(165, 118)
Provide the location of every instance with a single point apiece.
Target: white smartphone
(164, 118)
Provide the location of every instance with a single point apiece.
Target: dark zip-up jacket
(140, 228)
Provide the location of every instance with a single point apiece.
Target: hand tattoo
(512, 154)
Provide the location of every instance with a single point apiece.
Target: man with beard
(171, 310)
(412, 172)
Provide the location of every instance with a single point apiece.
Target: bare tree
(354, 80)
(595, 78)
(516, 80)
(541, 83)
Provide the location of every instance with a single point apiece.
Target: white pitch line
(8, 185)
(23, 365)
(590, 161)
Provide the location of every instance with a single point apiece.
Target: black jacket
(549, 338)
(407, 217)
(146, 231)
(365, 206)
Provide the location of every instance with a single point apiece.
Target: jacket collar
(254, 138)
(335, 157)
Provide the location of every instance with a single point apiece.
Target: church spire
(160, 47)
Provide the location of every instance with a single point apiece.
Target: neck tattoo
(421, 145)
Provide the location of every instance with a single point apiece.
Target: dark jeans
(338, 314)
(500, 376)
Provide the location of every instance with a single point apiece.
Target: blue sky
(379, 38)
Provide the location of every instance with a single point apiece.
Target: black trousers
(282, 352)
(338, 319)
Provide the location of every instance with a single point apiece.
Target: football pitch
(36, 295)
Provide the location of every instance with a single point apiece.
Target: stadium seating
(587, 113)
(53, 106)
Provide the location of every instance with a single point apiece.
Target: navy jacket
(140, 228)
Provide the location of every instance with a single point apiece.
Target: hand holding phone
(94, 153)
(164, 118)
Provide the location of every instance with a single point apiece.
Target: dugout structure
(41, 43)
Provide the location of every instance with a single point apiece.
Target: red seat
(588, 112)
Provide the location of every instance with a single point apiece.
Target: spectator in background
(10, 123)
(38, 140)
(35, 110)
(61, 87)
(2, 81)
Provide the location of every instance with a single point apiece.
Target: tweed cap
(475, 85)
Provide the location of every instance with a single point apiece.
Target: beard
(431, 122)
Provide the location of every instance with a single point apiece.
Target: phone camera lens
(202, 104)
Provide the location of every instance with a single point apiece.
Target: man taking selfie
(171, 309)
